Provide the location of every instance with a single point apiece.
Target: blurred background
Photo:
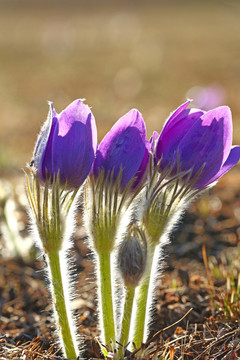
(117, 55)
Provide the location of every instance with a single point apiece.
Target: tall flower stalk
(165, 200)
(50, 208)
(110, 190)
(104, 209)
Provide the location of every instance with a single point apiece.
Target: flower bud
(124, 149)
(132, 257)
(66, 145)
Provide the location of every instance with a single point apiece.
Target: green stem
(142, 301)
(61, 307)
(126, 320)
(106, 297)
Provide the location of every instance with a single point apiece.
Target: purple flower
(67, 144)
(202, 141)
(207, 97)
(124, 147)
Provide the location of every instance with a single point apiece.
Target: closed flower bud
(66, 145)
(132, 257)
(124, 148)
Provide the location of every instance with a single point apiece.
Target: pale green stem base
(11, 235)
(64, 330)
(141, 301)
(106, 301)
(126, 320)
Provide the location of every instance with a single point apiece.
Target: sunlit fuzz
(52, 212)
(66, 145)
(51, 209)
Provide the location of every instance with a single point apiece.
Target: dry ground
(207, 282)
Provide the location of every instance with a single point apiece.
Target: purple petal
(141, 173)
(123, 147)
(44, 141)
(173, 133)
(177, 114)
(72, 144)
(231, 161)
(46, 163)
(154, 137)
(153, 141)
(152, 147)
(208, 142)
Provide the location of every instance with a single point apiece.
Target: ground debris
(203, 280)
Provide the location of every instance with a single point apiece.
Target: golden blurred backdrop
(150, 55)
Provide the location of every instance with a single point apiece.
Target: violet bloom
(202, 141)
(124, 147)
(67, 145)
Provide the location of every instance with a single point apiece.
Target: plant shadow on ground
(201, 275)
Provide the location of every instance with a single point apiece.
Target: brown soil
(211, 329)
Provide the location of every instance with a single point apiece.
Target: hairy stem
(61, 306)
(106, 301)
(126, 319)
(142, 301)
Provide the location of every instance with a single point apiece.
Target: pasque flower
(63, 158)
(119, 167)
(67, 144)
(124, 148)
(193, 150)
(200, 142)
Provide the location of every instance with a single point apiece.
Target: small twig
(217, 341)
(159, 332)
